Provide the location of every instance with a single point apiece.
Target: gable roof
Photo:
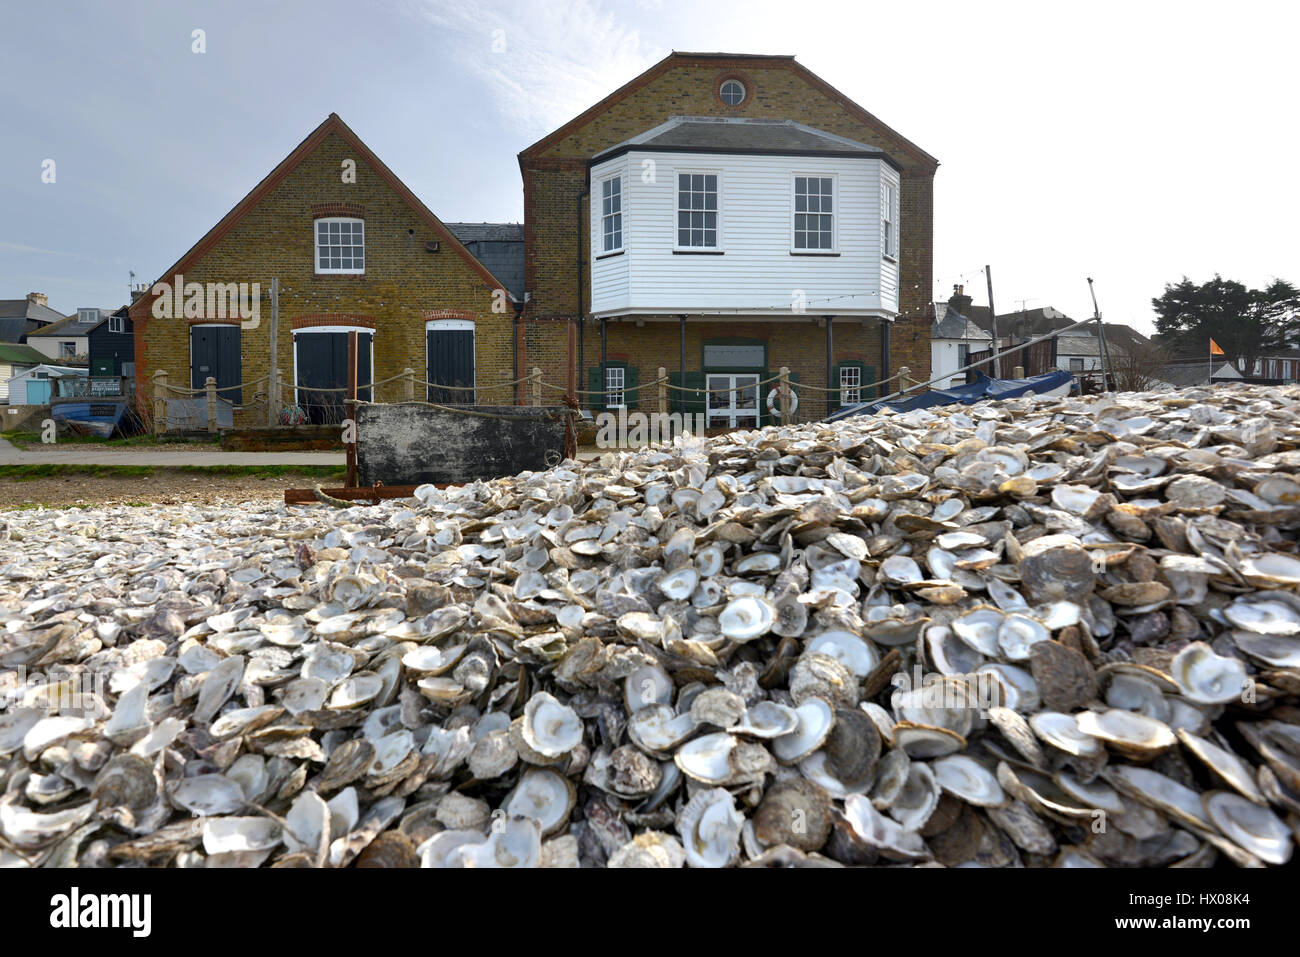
(13, 352)
(332, 124)
(27, 309)
(67, 326)
(675, 59)
(953, 325)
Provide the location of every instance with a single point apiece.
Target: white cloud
(542, 64)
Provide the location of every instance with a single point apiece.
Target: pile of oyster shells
(1038, 632)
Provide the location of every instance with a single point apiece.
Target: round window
(732, 92)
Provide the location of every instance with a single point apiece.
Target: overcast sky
(1133, 142)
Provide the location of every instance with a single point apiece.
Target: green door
(102, 367)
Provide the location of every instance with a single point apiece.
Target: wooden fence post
(663, 390)
(904, 378)
(210, 386)
(537, 385)
(1018, 372)
(784, 394)
(408, 382)
(159, 401)
(277, 395)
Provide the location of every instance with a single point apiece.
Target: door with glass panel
(733, 399)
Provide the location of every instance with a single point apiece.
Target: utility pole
(271, 410)
(1103, 349)
(993, 325)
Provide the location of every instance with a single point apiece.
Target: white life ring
(775, 394)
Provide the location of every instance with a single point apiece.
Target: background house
(111, 345)
(20, 317)
(734, 214)
(32, 386)
(15, 358)
(66, 341)
(953, 339)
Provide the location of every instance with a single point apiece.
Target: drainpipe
(604, 394)
(681, 396)
(514, 338)
(583, 196)
(830, 361)
(884, 350)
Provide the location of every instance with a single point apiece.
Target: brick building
(353, 249)
(747, 216)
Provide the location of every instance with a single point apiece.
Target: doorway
(737, 405)
(449, 348)
(320, 359)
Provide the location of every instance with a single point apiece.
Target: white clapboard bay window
(611, 214)
(889, 221)
(850, 385)
(697, 211)
(814, 214)
(340, 245)
(614, 383)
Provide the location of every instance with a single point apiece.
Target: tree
(1137, 366)
(1245, 323)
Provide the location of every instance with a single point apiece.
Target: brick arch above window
(744, 80)
(430, 314)
(333, 319)
(321, 210)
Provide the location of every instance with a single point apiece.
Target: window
(697, 210)
(850, 385)
(814, 216)
(115, 323)
(87, 316)
(340, 245)
(1076, 365)
(614, 382)
(732, 92)
(67, 350)
(963, 355)
(611, 214)
(889, 214)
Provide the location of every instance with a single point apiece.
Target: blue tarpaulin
(984, 387)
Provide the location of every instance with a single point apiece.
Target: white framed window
(814, 214)
(850, 385)
(611, 214)
(67, 350)
(115, 323)
(340, 245)
(614, 383)
(889, 220)
(87, 316)
(699, 223)
(1076, 365)
(732, 92)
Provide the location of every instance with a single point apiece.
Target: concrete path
(77, 453)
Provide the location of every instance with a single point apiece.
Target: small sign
(733, 357)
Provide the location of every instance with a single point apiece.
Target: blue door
(38, 391)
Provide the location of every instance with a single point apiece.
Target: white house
(15, 359)
(953, 338)
(727, 216)
(32, 386)
(68, 339)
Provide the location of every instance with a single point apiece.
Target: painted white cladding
(756, 273)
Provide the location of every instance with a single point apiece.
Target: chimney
(138, 291)
(39, 298)
(960, 301)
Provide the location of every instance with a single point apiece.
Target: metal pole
(993, 325)
(351, 447)
(1103, 350)
(271, 410)
(830, 360)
